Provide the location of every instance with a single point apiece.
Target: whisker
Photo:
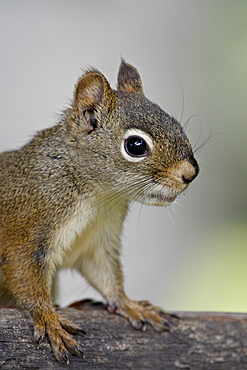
(197, 148)
(199, 135)
(187, 122)
(119, 195)
(182, 90)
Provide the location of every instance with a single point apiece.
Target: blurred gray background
(191, 256)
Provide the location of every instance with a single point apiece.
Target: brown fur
(65, 194)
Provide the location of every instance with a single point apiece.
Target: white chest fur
(83, 214)
(94, 225)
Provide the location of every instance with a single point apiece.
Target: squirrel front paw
(57, 328)
(141, 313)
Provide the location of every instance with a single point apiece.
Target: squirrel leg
(29, 280)
(105, 275)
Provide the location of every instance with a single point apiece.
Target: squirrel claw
(141, 313)
(169, 326)
(144, 326)
(39, 333)
(62, 357)
(38, 340)
(81, 331)
(81, 353)
(174, 316)
(66, 358)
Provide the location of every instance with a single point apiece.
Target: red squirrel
(65, 195)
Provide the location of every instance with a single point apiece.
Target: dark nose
(188, 177)
(190, 171)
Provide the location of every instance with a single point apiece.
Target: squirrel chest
(89, 231)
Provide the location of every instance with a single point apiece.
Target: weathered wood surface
(197, 341)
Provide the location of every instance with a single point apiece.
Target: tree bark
(196, 341)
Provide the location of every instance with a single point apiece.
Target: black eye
(136, 146)
(93, 121)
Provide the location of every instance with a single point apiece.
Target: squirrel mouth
(166, 199)
(170, 199)
(158, 199)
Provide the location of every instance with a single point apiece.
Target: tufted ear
(93, 90)
(129, 79)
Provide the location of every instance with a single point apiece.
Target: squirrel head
(131, 147)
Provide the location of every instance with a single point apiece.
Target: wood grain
(197, 341)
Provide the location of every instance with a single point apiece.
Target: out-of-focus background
(191, 256)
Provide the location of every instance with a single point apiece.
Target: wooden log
(197, 341)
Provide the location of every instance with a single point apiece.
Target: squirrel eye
(136, 146)
(93, 121)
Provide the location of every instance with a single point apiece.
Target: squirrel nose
(188, 171)
(188, 177)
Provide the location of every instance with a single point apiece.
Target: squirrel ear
(129, 79)
(92, 90)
